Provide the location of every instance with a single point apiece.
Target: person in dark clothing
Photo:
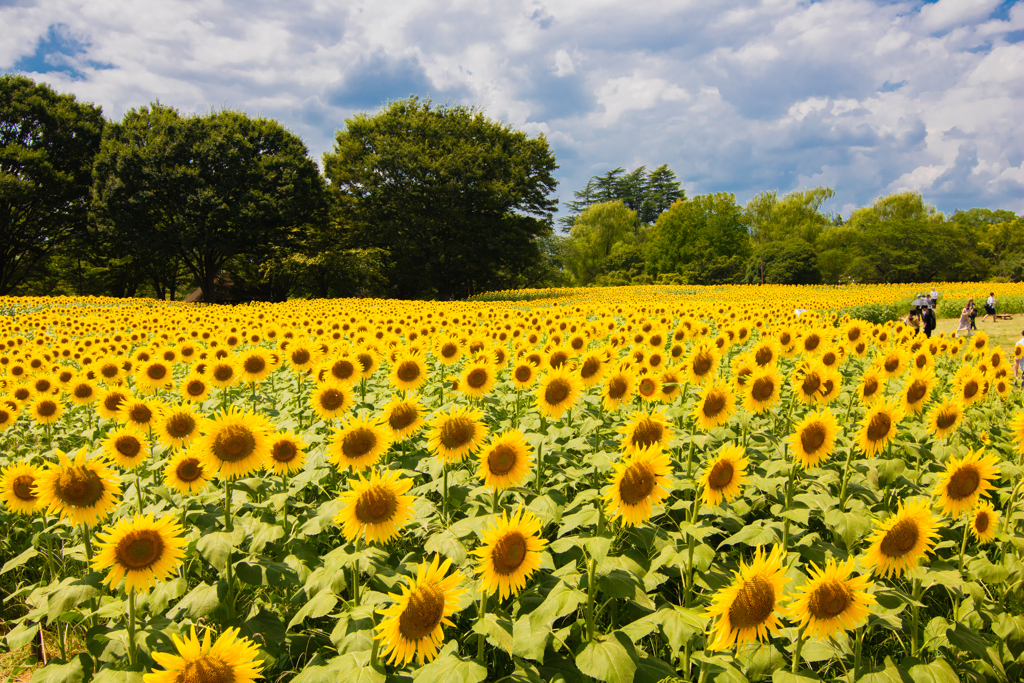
(928, 321)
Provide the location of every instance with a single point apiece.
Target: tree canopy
(458, 200)
(648, 195)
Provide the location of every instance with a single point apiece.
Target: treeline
(415, 201)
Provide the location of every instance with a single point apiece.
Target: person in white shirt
(990, 307)
(1018, 362)
(934, 297)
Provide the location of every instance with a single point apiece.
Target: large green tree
(596, 231)
(206, 191)
(796, 215)
(648, 194)
(47, 145)
(458, 200)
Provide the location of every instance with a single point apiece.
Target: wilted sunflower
(477, 379)
(879, 426)
(750, 608)
(177, 426)
(761, 390)
(618, 389)
(557, 391)
(195, 388)
(455, 434)
(229, 660)
(17, 487)
(638, 483)
(376, 508)
(714, 406)
(286, 453)
(965, 480)
(505, 461)
(143, 551)
(126, 446)
(82, 491)
(983, 522)
(724, 475)
(233, 443)
(358, 443)
(412, 627)
(408, 372)
(509, 553)
(900, 541)
(944, 417)
(403, 417)
(645, 429)
(331, 400)
(700, 364)
(814, 438)
(186, 473)
(831, 601)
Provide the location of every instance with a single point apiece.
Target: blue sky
(866, 96)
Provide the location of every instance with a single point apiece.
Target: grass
(1003, 333)
(18, 665)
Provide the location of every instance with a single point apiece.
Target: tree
(648, 194)
(459, 201)
(596, 231)
(795, 215)
(703, 240)
(206, 190)
(786, 262)
(47, 145)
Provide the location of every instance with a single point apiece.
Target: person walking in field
(1018, 359)
(966, 319)
(934, 296)
(990, 307)
(928, 321)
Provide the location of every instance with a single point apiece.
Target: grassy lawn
(1004, 333)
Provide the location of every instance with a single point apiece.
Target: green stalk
(355, 576)
(846, 479)
(690, 543)
(497, 497)
(963, 543)
(229, 527)
(591, 593)
(480, 637)
(49, 555)
(796, 651)
(88, 557)
(689, 459)
(138, 490)
(444, 496)
(914, 637)
(374, 659)
(789, 502)
(133, 653)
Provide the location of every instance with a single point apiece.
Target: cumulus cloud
(867, 96)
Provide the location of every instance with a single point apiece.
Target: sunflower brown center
(128, 446)
(358, 443)
(83, 390)
(284, 451)
(870, 387)
(78, 486)
(109, 370)
(558, 359)
(195, 387)
(916, 391)
(139, 548)
(829, 600)
(46, 408)
(964, 482)
(254, 365)
(721, 475)
(300, 356)
(811, 342)
(647, 386)
(853, 334)
(43, 385)
(408, 371)
(234, 443)
(331, 399)
(189, 469)
(763, 389)
(376, 505)
(891, 364)
(113, 401)
(423, 613)
(365, 361)
(647, 432)
(829, 358)
(180, 425)
(920, 361)
(812, 437)
(702, 364)
(456, 432)
(509, 552)
(402, 416)
(22, 487)
(981, 521)
(900, 539)
(617, 388)
(637, 483)
(591, 366)
(501, 459)
(22, 393)
(206, 669)
(557, 391)
(140, 413)
(157, 371)
(223, 372)
(946, 419)
(810, 384)
(879, 427)
(448, 350)
(477, 378)
(753, 604)
(970, 388)
(714, 403)
(764, 356)
(523, 373)
(343, 369)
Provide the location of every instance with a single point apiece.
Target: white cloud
(563, 64)
(947, 13)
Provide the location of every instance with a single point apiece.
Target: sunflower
(177, 426)
(524, 374)
(645, 429)
(142, 551)
(82, 392)
(831, 383)
(195, 388)
(359, 443)
(17, 487)
(648, 387)
(944, 417)
(233, 443)
(898, 543)
(186, 473)
(412, 627)
(879, 426)
(1017, 428)
(831, 601)
(141, 413)
(367, 361)
(286, 453)
(456, 434)
(811, 342)
(344, 368)
(761, 390)
(714, 406)
(301, 357)
(126, 446)
(592, 367)
(724, 475)
(814, 438)
(82, 490)
(447, 350)
(505, 461)
(477, 379)
(700, 364)
(638, 482)
(331, 400)
(983, 522)
(918, 390)
(8, 414)
(46, 410)
(510, 553)
(557, 391)
(765, 354)
(403, 417)
(969, 385)
(229, 660)
(376, 508)
(807, 380)
(750, 608)
(671, 384)
(618, 389)
(965, 480)
(894, 363)
(408, 372)
(155, 373)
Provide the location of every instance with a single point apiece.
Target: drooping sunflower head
(359, 442)
(645, 429)
(186, 473)
(983, 522)
(142, 551)
(899, 542)
(456, 433)
(750, 608)
(724, 475)
(126, 446)
(714, 405)
(234, 443)
(509, 553)
(879, 426)
(82, 490)
(331, 400)
(230, 659)
(813, 439)
(17, 487)
(557, 391)
(944, 417)
(832, 601)
(965, 480)
(412, 627)
(287, 453)
(505, 461)
(639, 482)
(376, 508)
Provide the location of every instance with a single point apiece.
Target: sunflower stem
(496, 499)
(355, 576)
(796, 651)
(138, 490)
(789, 502)
(480, 636)
(914, 638)
(846, 479)
(88, 556)
(133, 653)
(963, 543)
(689, 458)
(444, 496)
(374, 658)
(49, 556)
(591, 595)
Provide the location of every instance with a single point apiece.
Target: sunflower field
(637, 484)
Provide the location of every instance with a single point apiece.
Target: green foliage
(596, 231)
(647, 194)
(703, 240)
(788, 262)
(457, 199)
(47, 145)
(796, 215)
